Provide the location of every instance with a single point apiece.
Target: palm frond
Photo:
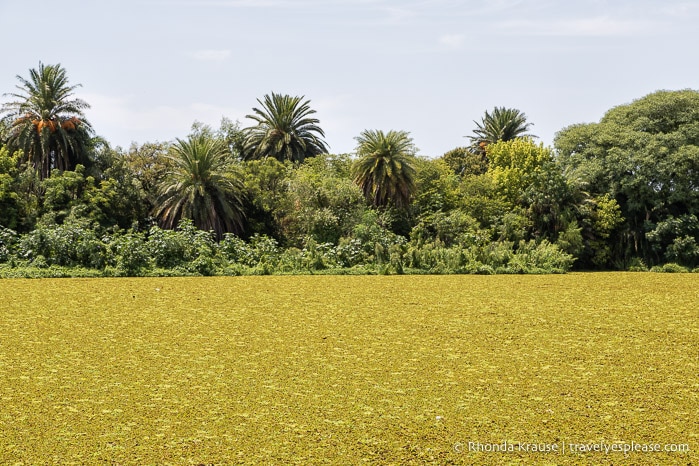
(199, 187)
(384, 170)
(503, 124)
(285, 130)
(46, 122)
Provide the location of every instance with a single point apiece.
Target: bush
(235, 250)
(129, 254)
(683, 250)
(54, 271)
(372, 249)
(168, 248)
(73, 244)
(264, 251)
(8, 241)
(669, 268)
(637, 265)
(545, 257)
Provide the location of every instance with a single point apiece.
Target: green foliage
(570, 240)
(46, 123)
(436, 188)
(479, 198)
(9, 199)
(65, 190)
(114, 194)
(128, 253)
(202, 186)
(44, 271)
(675, 238)
(620, 193)
(29, 192)
(637, 265)
(599, 218)
(285, 130)
(74, 243)
(669, 268)
(457, 245)
(149, 164)
(489, 258)
(376, 240)
(384, 169)
(517, 164)
(503, 124)
(323, 203)
(8, 241)
(449, 229)
(114, 200)
(683, 250)
(261, 252)
(266, 185)
(118, 200)
(234, 137)
(645, 156)
(464, 161)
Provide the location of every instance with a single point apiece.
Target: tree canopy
(46, 122)
(200, 186)
(285, 130)
(502, 124)
(646, 156)
(384, 169)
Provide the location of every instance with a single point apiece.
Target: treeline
(620, 194)
(308, 218)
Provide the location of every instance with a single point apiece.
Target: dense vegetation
(619, 194)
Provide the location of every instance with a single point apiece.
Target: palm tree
(385, 169)
(46, 122)
(504, 124)
(200, 186)
(285, 130)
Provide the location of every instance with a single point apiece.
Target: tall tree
(503, 124)
(645, 155)
(385, 168)
(201, 186)
(285, 130)
(46, 122)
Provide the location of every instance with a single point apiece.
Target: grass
(347, 369)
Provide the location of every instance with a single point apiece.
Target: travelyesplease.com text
(570, 447)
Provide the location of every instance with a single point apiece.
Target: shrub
(168, 248)
(235, 250)
(129, 254)
(637, 265)
(72, 244)
(8, 241)
(669, 268)
(683, 250)
(265, 251)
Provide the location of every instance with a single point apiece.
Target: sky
(151, 68)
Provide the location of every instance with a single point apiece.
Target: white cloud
(211, 55)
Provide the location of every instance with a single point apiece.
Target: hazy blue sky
(150, 68)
